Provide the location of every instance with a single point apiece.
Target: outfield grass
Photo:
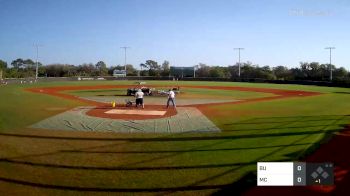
(278, 130)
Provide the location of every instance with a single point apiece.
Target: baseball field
(65, 138)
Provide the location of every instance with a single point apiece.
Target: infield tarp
(187, 119)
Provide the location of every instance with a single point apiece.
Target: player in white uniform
(139, 98)
(171, 98)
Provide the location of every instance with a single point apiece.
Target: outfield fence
(334, 83)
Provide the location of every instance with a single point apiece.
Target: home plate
(137, 112)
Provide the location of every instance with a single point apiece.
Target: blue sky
(184, 32)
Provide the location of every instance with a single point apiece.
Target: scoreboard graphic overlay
(294, 174)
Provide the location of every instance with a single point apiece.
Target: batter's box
(187, 119)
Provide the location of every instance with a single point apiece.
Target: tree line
(313, 71)
(23, 68)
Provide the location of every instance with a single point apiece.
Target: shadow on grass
(258, 121)
(97, 189)
(348, 93)
(177, 151)
(250, 179)
(169, 139)
(235, 187)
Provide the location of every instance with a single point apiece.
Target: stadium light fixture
(125, 48)
(37, 58)
(330, 61)
(239, 60)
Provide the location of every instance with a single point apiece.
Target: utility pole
(37, 58)
(125, 47)
(330, 61)
(239, 60)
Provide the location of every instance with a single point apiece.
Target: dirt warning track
(279, 93)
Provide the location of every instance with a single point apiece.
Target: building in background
(182, 72)
(119, 73)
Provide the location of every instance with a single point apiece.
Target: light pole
(125, 47)
(194, 70)
(239, 60)
(37, 57)
(330, 61)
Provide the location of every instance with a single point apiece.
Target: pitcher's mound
(136, 112)
(132, 113)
